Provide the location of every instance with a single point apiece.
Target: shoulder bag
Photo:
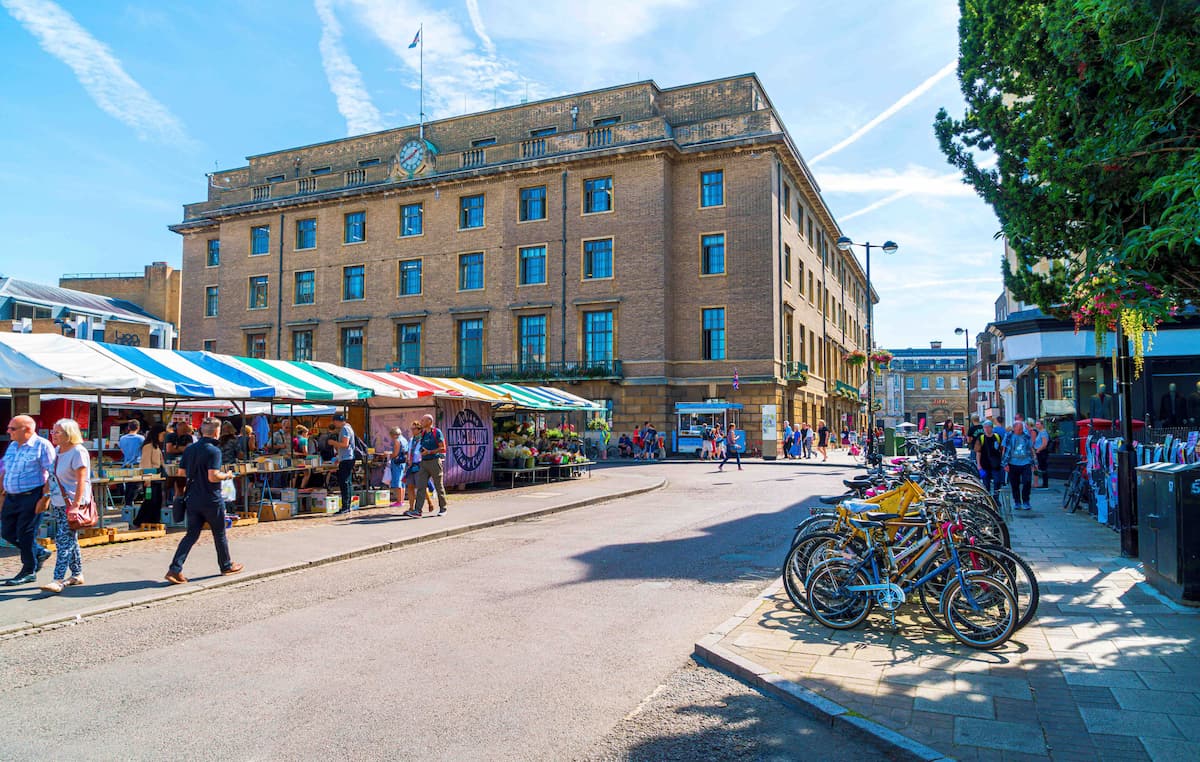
(81, 515)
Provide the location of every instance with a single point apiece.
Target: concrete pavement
(1108, 670)
(135, 576)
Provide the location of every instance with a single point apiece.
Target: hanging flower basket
(855, 358)
(882, 358)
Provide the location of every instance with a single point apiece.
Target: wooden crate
(147, 531)
(93, 536)
(245, 519)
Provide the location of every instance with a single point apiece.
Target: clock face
(412, 156)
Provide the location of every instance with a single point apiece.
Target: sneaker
(442, 512)
(412, 514)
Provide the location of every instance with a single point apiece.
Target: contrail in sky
(890, 111)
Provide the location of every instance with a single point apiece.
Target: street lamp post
(966, 364)
(889, 247)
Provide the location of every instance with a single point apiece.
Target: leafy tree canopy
(1091, 110)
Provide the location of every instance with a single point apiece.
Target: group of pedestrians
(39, 475)
(1015, 454)
(802, 442)
(415, 467)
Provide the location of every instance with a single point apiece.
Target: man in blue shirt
(433, 452)
(131, 456)
(26, 464)
(344, 442)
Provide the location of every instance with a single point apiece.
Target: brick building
(924, 386)
(640, 244)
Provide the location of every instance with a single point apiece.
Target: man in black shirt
(989, 455)
(202, 463)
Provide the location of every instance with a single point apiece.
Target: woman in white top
(68, 486)
(397, 464)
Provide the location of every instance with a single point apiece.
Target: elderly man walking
(432, 446)
(25, 466)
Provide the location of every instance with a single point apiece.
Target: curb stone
(709, 650)
(176, 591)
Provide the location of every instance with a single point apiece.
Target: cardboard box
(382, 497)
(289, 495)
(332, 504)
(276, 512)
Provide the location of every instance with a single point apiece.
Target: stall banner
(467, 426)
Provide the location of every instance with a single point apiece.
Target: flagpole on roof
(421, 56)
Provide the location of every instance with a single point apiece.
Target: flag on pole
(736, 383)
(416, 39)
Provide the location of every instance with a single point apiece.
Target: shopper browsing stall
(70, 488)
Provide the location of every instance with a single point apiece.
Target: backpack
(707, 434)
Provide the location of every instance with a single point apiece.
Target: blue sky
(113, 111)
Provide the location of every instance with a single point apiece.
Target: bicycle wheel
(819, 523)
(980, 613)
(1000, 562)
(984, 523)
(803, 557)
(830, 603)
(1071, 494)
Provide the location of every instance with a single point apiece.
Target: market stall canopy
(471, 390)
(47, 362)
(194, 374)
(380, 384)
(148, 403)
(543, 398)
(298, 381)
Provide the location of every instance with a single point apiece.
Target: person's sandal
(74, 580)
(55, 587)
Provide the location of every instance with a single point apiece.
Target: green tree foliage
(1091, 109)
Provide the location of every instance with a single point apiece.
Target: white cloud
(889, 112)
(458, 76)
(480, 29)
(345, 80)
(97, 69)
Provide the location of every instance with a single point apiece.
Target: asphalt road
(566, 637)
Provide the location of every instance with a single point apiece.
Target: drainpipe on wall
(279, 297)
(562, 352)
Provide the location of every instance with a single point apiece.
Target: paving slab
(1107, 670)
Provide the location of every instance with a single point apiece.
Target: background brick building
(924, 386)
(638, 244)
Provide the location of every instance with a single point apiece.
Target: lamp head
(960, 331)
(889, 247)
(844, 243)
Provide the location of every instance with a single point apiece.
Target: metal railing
(795, 371)
(571, 370)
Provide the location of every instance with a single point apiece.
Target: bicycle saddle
(857, 483)
(833, 499)
(867, 520)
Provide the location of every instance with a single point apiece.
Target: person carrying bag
(71, 503)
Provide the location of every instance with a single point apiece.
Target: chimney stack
(935, 345)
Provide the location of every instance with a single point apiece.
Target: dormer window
(368, 162)
(605, 121)
(483, 142)
(542, 132)
(320, 171)
(275, 179)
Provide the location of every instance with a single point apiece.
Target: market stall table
(515, 473)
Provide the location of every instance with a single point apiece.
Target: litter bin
(1169, 528)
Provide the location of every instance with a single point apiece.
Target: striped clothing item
(25, 466)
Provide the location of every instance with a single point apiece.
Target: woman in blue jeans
(1018, 464)
(731, 449)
